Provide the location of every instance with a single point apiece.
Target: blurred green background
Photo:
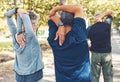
(42, 7)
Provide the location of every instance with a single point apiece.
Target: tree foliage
(92, 6)
(43, 7)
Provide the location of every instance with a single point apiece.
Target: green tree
(92, 6)
(43, 7)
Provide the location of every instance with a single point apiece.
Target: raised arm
(19, 19)
(77, 10)
(27, 25)
(10, 22)
(20, 35)
(19, 25)
(61, 29)
(26, 22)
(108, 13)
(109, 18)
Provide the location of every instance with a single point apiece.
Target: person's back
(99, 35)
(72, 57)
(28, 58)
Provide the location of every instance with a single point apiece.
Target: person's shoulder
(89, 27)
(78, 19)
(50, 21)
(92, 26)
(98, 24)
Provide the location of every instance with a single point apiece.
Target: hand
(68, 29)
(21, 11)
(110, 12)
(21, 40)
(61, 35)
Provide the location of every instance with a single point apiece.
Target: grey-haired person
(100, 36)
(28, 64)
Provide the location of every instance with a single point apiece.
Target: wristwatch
(16, 9)
(60, 24)
(19, 33)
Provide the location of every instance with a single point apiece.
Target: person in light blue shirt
(28, 56)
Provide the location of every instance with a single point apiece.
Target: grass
(5, 46)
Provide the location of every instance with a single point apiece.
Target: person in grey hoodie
(28, 56)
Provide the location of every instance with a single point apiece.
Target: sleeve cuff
(16, 9)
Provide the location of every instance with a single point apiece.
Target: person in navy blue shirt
(100, 36)
(67, 38)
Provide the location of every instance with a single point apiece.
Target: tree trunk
(15, 2)
(29, 4)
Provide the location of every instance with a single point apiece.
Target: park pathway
(7, 74)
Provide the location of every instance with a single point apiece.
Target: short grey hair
(34, 17)
(97, 13)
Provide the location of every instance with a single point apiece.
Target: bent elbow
(7, 14)
(78, 8)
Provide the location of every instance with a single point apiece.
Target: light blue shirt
(28, 60)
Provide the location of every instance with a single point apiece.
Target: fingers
(56, 36)
(22, 11)
(61, 40)
(21, 43)
(60, 34)
(21, 40)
